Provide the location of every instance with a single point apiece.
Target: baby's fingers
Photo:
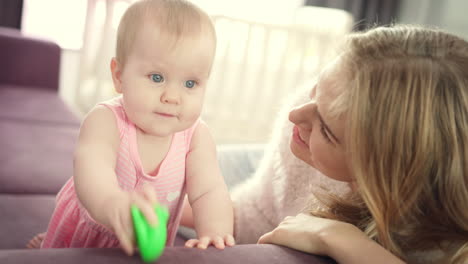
(149, 194)
(146, 208)
(191, 243)
(203, 242)
(221, 243)
(218, 242)
(124, 239)
(229, 240)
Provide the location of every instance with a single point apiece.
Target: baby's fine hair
(173, 18)
(406, 104)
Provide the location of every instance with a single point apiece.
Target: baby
(148, 145)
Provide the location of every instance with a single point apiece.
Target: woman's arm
(207, 193)
(341, 241)
(354, 246)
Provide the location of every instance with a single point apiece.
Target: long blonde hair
(407, 139)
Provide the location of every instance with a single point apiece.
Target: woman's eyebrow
(327, 128)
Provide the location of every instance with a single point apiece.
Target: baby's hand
(217, 241)
(119, 215)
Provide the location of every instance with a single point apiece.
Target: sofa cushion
(35, 105)
(258, 254)
(23, 216)
(35, 157)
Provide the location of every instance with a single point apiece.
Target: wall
(69, 71)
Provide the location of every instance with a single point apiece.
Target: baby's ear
(116, 71)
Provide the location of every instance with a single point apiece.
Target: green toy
(150, 240)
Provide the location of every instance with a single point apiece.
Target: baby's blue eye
(189, 84)
(157, 78)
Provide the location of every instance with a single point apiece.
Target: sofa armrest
(258, 254)
(28, 61)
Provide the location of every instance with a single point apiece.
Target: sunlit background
(267, 49)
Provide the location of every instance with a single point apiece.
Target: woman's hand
(117, 214)
(220, 242)
(310, 234)
(342, 241)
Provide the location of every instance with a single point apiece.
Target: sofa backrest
(28, 61)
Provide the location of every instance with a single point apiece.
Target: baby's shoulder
(100, 113)
(197, 134)
(101, 119)
(112, 113)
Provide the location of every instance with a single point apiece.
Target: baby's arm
(95, 180)
(94, 161)
(207, 193)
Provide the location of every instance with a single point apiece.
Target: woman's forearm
(359, 250)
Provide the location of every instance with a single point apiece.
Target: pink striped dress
(72, 227)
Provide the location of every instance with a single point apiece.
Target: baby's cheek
(188, 120)
(193, 116)
(194, 113)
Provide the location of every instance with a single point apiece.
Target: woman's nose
(302, 114)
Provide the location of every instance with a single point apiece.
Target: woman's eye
(190, 84)
(324, 133)
(157, 78)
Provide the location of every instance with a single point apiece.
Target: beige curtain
(94, 79)
(259, 62)
(95, 82)
(258, 65)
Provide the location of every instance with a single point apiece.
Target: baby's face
(163, 81)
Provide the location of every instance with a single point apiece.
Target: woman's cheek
(315, 153)
(321, 156)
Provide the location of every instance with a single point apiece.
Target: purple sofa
(37, 135)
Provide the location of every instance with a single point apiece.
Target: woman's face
(318, 139)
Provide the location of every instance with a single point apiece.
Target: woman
(389, 116)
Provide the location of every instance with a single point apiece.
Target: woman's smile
(297, 137)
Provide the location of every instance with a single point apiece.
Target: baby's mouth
(165, 114)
